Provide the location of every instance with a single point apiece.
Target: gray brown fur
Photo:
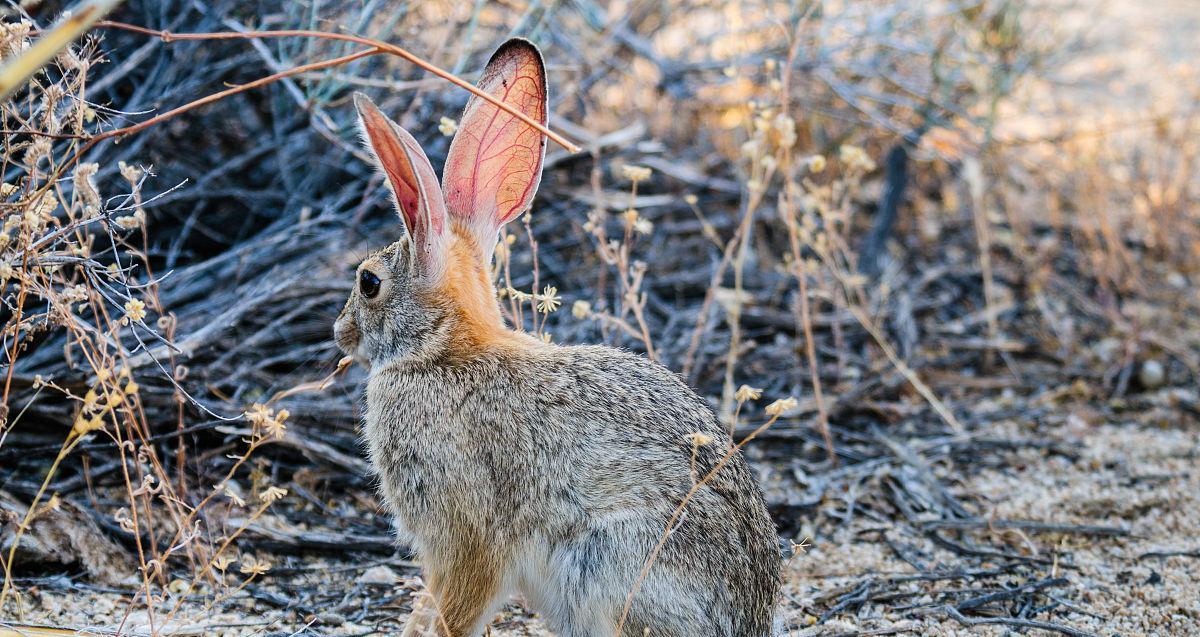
(563, 464)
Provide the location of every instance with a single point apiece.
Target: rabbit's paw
(423, 621)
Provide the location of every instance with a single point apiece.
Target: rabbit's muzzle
(346, 334)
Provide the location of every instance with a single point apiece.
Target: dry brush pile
(813, 211)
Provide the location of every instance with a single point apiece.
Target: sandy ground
(1131, 474)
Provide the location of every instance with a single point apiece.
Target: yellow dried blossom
(38, 149)
(222, 562)
(855, 158)
(447, 126)
(130, 222)
(747, 393)
(135, 310)
(132, 174)
(41, 210)
(635, 173)
(752, 148)
(75, 293)
(88, 424)
(265, 419)
(581, 309)
(251, 566)
(85, 185)
(272, 494)
(781, 406)
(90, 400)
(785, 126)
(232, 495)
(699, 439)
(275, 426)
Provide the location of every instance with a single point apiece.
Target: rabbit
(516, 466)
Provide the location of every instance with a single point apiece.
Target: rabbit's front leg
(423, 621)
(466, 584)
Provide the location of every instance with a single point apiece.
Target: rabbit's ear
(495, 161)
(413, 182)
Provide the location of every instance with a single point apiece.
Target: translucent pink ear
(413, 182)
(495, 161)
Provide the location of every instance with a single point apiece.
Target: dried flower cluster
(73, 259)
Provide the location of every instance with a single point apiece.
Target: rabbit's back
(571, 460)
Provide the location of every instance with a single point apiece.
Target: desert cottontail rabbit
(513, 465)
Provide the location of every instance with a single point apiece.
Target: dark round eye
(368, 284)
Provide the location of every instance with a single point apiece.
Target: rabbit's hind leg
(593, 577)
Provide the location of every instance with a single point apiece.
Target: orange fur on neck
(467, 288)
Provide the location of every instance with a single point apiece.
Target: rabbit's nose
(345, 334)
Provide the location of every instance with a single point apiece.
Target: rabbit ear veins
(495, 160)
(412, 180)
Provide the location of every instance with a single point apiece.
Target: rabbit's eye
(368, 284)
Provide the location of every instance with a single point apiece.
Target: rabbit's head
(431, 293)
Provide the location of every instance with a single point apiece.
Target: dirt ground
(1129, 466)
(1135, 473)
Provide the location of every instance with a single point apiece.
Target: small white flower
(548, 300)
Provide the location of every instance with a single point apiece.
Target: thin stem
(378, 45)
(637, 584)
